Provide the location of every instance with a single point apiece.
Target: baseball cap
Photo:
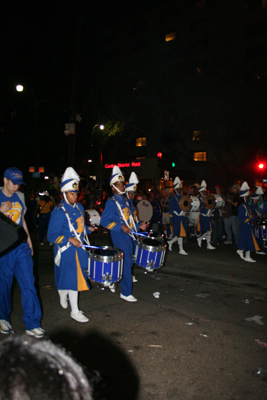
(15, 175)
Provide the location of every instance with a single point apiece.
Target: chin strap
(118, 189)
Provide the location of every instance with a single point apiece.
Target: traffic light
(173, 164)
(159, 155)
(261, 166)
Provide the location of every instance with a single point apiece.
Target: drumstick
(91, 247)
(140, 234)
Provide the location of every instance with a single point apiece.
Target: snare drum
(144, 210)
(261, 231)
(219, 202)
(105, 265)
(150, 253)
(195, 203)
(94, 217)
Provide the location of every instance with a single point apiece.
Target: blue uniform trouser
(126, 245)
(19, 262)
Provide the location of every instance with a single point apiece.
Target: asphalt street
(194, 342)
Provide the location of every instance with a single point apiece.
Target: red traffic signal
(261, 166)
(159, 155)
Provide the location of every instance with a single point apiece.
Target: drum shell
(105, 265)
(219, 202)
(150, 253)
(195, 204)
(261, 231)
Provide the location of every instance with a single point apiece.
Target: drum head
(144, 210)
(94, 217)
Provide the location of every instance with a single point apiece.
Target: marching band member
(68, 232)
(247, 241)
(131, 190)
(204, 219)
(178, 221)
(116, 218)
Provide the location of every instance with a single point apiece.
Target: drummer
(178, 221)
(67, 230)
(131, 190)
(247, 241)
(116, 218)
(204, 219)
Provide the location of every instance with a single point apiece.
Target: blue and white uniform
(18, 262)
(177, 216)
(112, 220)
(247, 240)
(71, 269)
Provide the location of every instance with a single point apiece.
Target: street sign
(166, 175)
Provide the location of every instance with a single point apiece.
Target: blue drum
(150, 253)
(105, 265)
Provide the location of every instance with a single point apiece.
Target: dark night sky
(37, 48)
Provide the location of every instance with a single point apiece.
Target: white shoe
(134, 279)
(112, 287)
(5, 327)
(183, 252)
(79, 317)
(130, 298)
(170, 246)
(240, 253)
(249, 259)
(38, 333)
(199, 241)
(261, 253)
(210, 247)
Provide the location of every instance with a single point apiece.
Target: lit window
(200, 156)
(170, 36)
(141, 142)
(196, 135)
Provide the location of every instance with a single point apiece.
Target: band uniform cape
(71, 263)
(177, 216)
(12, 233)
(247, 240)
(112, 219)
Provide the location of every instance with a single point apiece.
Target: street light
(20, 88)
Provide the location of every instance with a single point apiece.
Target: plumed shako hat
(70, 181)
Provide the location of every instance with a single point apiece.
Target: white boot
(75, 312)
(199, 239)
(170, 242)
(248, 258)
(240, 253)
(63, 298)
(209, 246)
(181, 249)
